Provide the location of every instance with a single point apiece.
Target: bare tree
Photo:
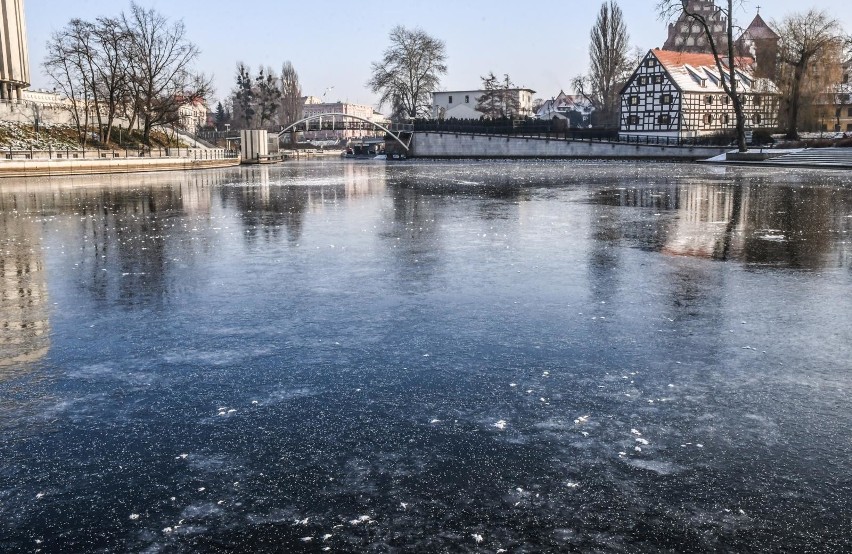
(291, 95)
(160, 65)
(807, 38)
(670, 9)
(609, 64)
(410, 70)
(110, 68)
(66, 65)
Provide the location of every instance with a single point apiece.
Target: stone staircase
(817, 157)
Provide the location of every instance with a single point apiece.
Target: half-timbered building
(681, 95)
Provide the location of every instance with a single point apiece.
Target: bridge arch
(332, 114)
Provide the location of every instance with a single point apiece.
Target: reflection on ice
(491, 356)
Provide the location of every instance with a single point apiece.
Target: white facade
(14, 54)
(193, 115)
(342, 128)
(461, 104)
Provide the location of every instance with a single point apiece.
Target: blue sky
(541, 45)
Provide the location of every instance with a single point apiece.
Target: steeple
(760, 42)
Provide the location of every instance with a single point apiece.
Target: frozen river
(429, 357)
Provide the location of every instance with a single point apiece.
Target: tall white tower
(14, 56)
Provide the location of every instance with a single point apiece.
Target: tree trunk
(795, 94)
(732, 68)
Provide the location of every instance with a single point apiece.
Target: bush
(762, 136)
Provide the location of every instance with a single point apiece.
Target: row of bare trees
(136, 66)
(266, 99)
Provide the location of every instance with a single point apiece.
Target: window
(643, 81)
(650, 62)
(756, 119)
(466, 99)
(634, 101)
(451, 100)
(666, 99)
(850, 112)
(757, 100)
(658, 79)
(725, 100)
(633, 120)
(708, 118)
(726, 119)
(664, 119)
(849, 127)
(837, 112)
(708, 100)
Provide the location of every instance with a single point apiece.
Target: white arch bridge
(359, 124)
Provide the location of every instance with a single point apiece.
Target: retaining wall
(452, 145)
(43, 168)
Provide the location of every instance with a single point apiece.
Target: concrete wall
(451, 145)
(42, 168)
(254, 144)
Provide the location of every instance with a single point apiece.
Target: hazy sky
(541, 44)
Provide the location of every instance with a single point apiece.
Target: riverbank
(49, 168)
(806, 158)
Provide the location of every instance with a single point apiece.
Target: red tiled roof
(672, 59)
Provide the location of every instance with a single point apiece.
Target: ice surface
(482, 352)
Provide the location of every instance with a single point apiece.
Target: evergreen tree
(221, 116)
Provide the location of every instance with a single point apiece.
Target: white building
(561, 105)
(681, 95)
(461, 104)
(339, 127)
(193, 115)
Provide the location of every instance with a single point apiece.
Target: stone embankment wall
(452, 145)
(44, 168)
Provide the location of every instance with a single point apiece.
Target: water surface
(429, 357)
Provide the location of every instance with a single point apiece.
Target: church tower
(14, 56)
(760, 42)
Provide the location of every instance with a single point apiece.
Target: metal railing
(11, 153)
(548, 131)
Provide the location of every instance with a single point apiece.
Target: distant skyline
(331, 44)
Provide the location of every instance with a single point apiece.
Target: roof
(699, 73)
(759, 30)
